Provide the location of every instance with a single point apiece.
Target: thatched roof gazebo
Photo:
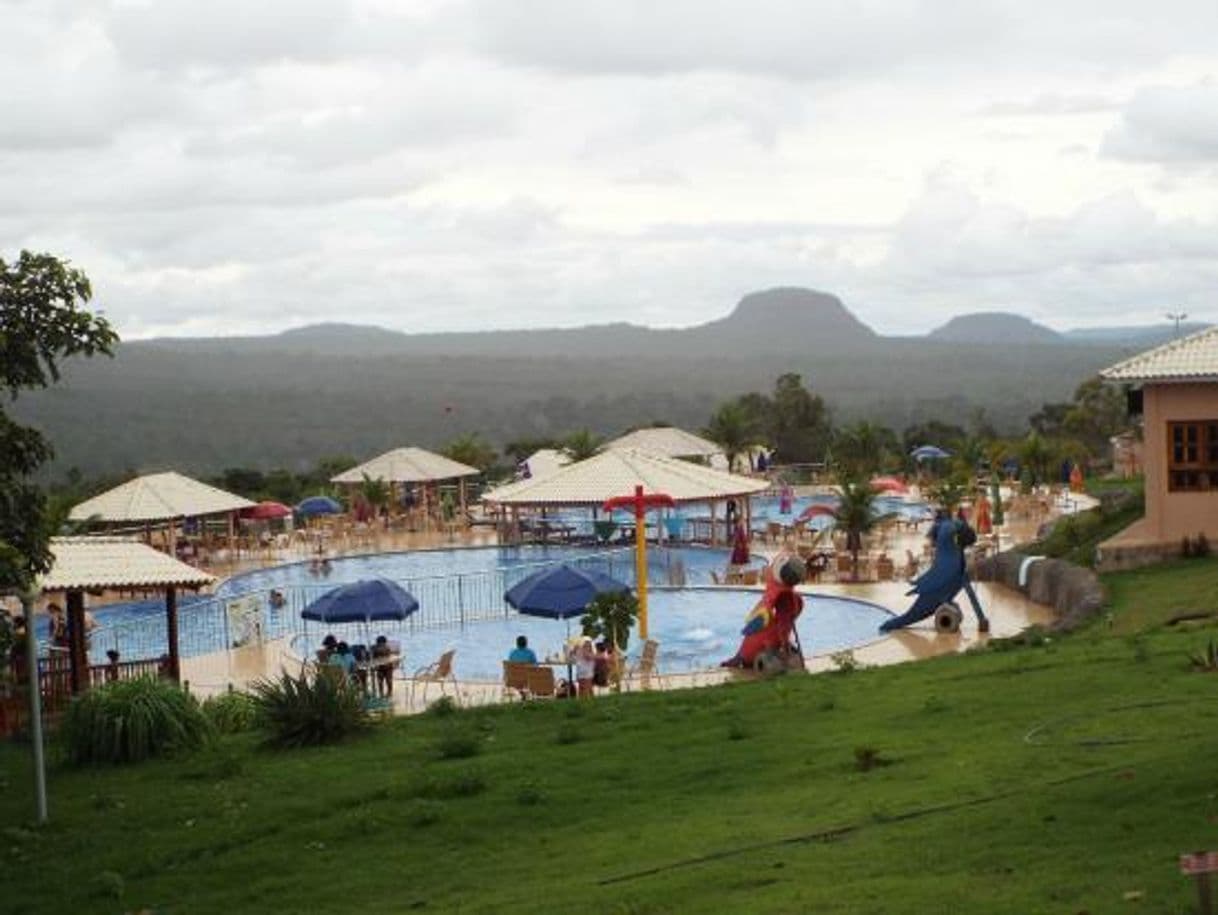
(590, 483)
(668, 441)
(161, 498)
(410, 467)
(83, 564)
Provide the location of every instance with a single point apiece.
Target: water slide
(940, 583)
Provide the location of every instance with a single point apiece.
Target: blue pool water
(696, 628)
(765, 509)
(460, 592)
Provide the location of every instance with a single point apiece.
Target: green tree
(610, 617)
(934, 432)
(732, 429)
(950, 491)
(243, 481)
(324, 470)
(582, 444)
(522, 448)
(799, 426)
(472, 450)
(855, 514)
(374, 492)
(864, 449)
(282, 485)
(1037, 455)
(41, 323)
(1098, 413)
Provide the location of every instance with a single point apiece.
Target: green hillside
(1053, 776)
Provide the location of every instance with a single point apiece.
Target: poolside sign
(1201, 864)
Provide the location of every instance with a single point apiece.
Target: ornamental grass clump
(231, 713)
(304, 710)
(132, 720)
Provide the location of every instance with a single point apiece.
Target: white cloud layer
(228, 167)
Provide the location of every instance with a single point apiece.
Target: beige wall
(1171, 516)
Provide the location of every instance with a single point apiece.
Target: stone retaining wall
(1074, 592)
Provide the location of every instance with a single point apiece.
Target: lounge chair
(516, 679)
(439, 672)
(646, 667)
(540, 682)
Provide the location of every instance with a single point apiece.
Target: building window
(1192, 456)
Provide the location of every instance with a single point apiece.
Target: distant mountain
(285, 400)
(1135, 337)
(787, 316)
(995, 327)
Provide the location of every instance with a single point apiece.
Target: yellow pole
(640, 566)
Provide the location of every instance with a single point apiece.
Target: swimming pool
(692, 520)
(460, 592)
(695, 627)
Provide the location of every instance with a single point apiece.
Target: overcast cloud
(230, 167)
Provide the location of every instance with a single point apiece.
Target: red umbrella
(815, 509)
(888, 484)
(264, 511)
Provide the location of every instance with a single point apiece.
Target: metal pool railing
(444, 600)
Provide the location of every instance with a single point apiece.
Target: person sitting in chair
(522, 653)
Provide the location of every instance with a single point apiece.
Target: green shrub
(530, 795)
(231, 713)
(462, 783)
(610, 618)
(132, 720)
(844, 661)
(568, 733)
(421, 813)
(867, 758)
(458, 744)
(444, 707)
(301, 711)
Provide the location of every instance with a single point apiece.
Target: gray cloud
(1177, 124)
(235, 167)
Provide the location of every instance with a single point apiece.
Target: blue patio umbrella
(560, 592)
(318, 505)
(929, 453)
(365, 601)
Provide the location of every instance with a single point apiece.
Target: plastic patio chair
(439, 672)
(646, 668)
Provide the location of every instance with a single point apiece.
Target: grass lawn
(1047, 778)
(1144, 598)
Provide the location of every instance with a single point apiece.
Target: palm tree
(855, 514)
(950, 491)
(471, 449)
(731, 427)
(582, 445)
(863, 449)
(1037, 455)
(374, 492)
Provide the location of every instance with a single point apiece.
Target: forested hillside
(202, 405)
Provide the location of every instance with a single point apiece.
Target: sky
(230, 167)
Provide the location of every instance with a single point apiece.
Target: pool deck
(1009, 613)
